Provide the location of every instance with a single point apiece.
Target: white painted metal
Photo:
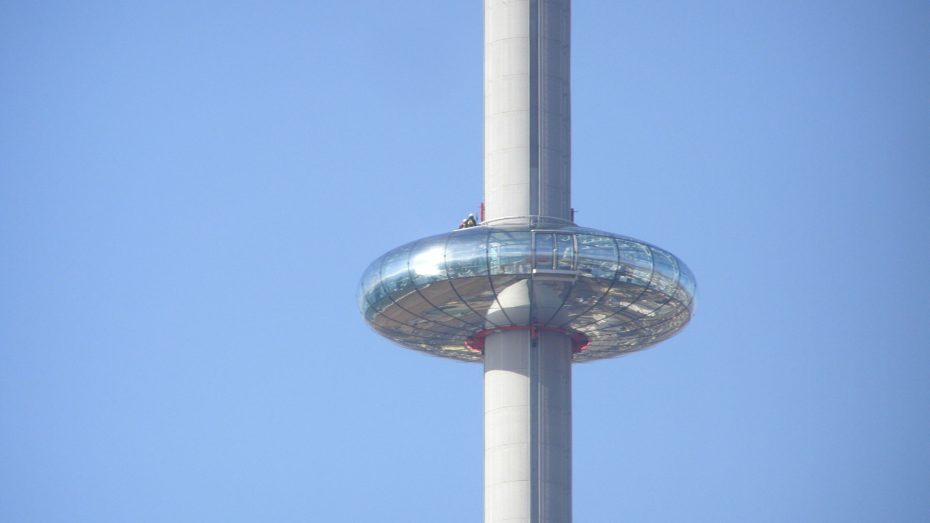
(527, 402)
(506, 427)
(527, 172)
(527, 109)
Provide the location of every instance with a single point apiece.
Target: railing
(532, 221)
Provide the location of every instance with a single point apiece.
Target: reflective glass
(477, 294)
(394, 273)
(667, 269)
(369, 279)
(650, 299)
(440, 302)
(467, 267)
(383, 322)
(687, 286)
(418, 322)
(432, 294)
(467, 253)
(544, 246)
(621, 296)
(678, 321)
(635, 262)
(428, 260)
(462, 312)
(551, 313)
(620, 321)
(585, 294)
(597, 256)
(509, 252)
(373, 288)
(565, 252)
(500, 283)
(658, 320)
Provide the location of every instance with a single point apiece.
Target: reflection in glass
(687, 292)
(597, 256)
(667, 269)
(427, 261)
(436, 293)
(394, 273)
(565, 252)
(585, 294)
(467, 253)
(509, 252)
(636, 262)
(545, 245)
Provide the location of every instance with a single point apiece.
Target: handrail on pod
(534, 220)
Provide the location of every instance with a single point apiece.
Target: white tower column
(527, 428)
(527, 108)
(527, 172)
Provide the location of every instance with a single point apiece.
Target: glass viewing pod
(444, 294)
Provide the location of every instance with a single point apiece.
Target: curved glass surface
(435, 293)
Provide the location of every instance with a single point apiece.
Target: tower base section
(527, 427)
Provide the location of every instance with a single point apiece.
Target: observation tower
(527, 292)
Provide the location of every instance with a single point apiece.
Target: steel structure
(527, 292)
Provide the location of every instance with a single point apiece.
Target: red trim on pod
(476, 342)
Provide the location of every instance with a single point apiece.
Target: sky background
(190, 191)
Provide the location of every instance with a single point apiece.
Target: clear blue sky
(189, 192)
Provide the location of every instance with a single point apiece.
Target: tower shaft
(528, 288)
(527, 108)
(529, 291)
(527, 172)
(527, 428)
